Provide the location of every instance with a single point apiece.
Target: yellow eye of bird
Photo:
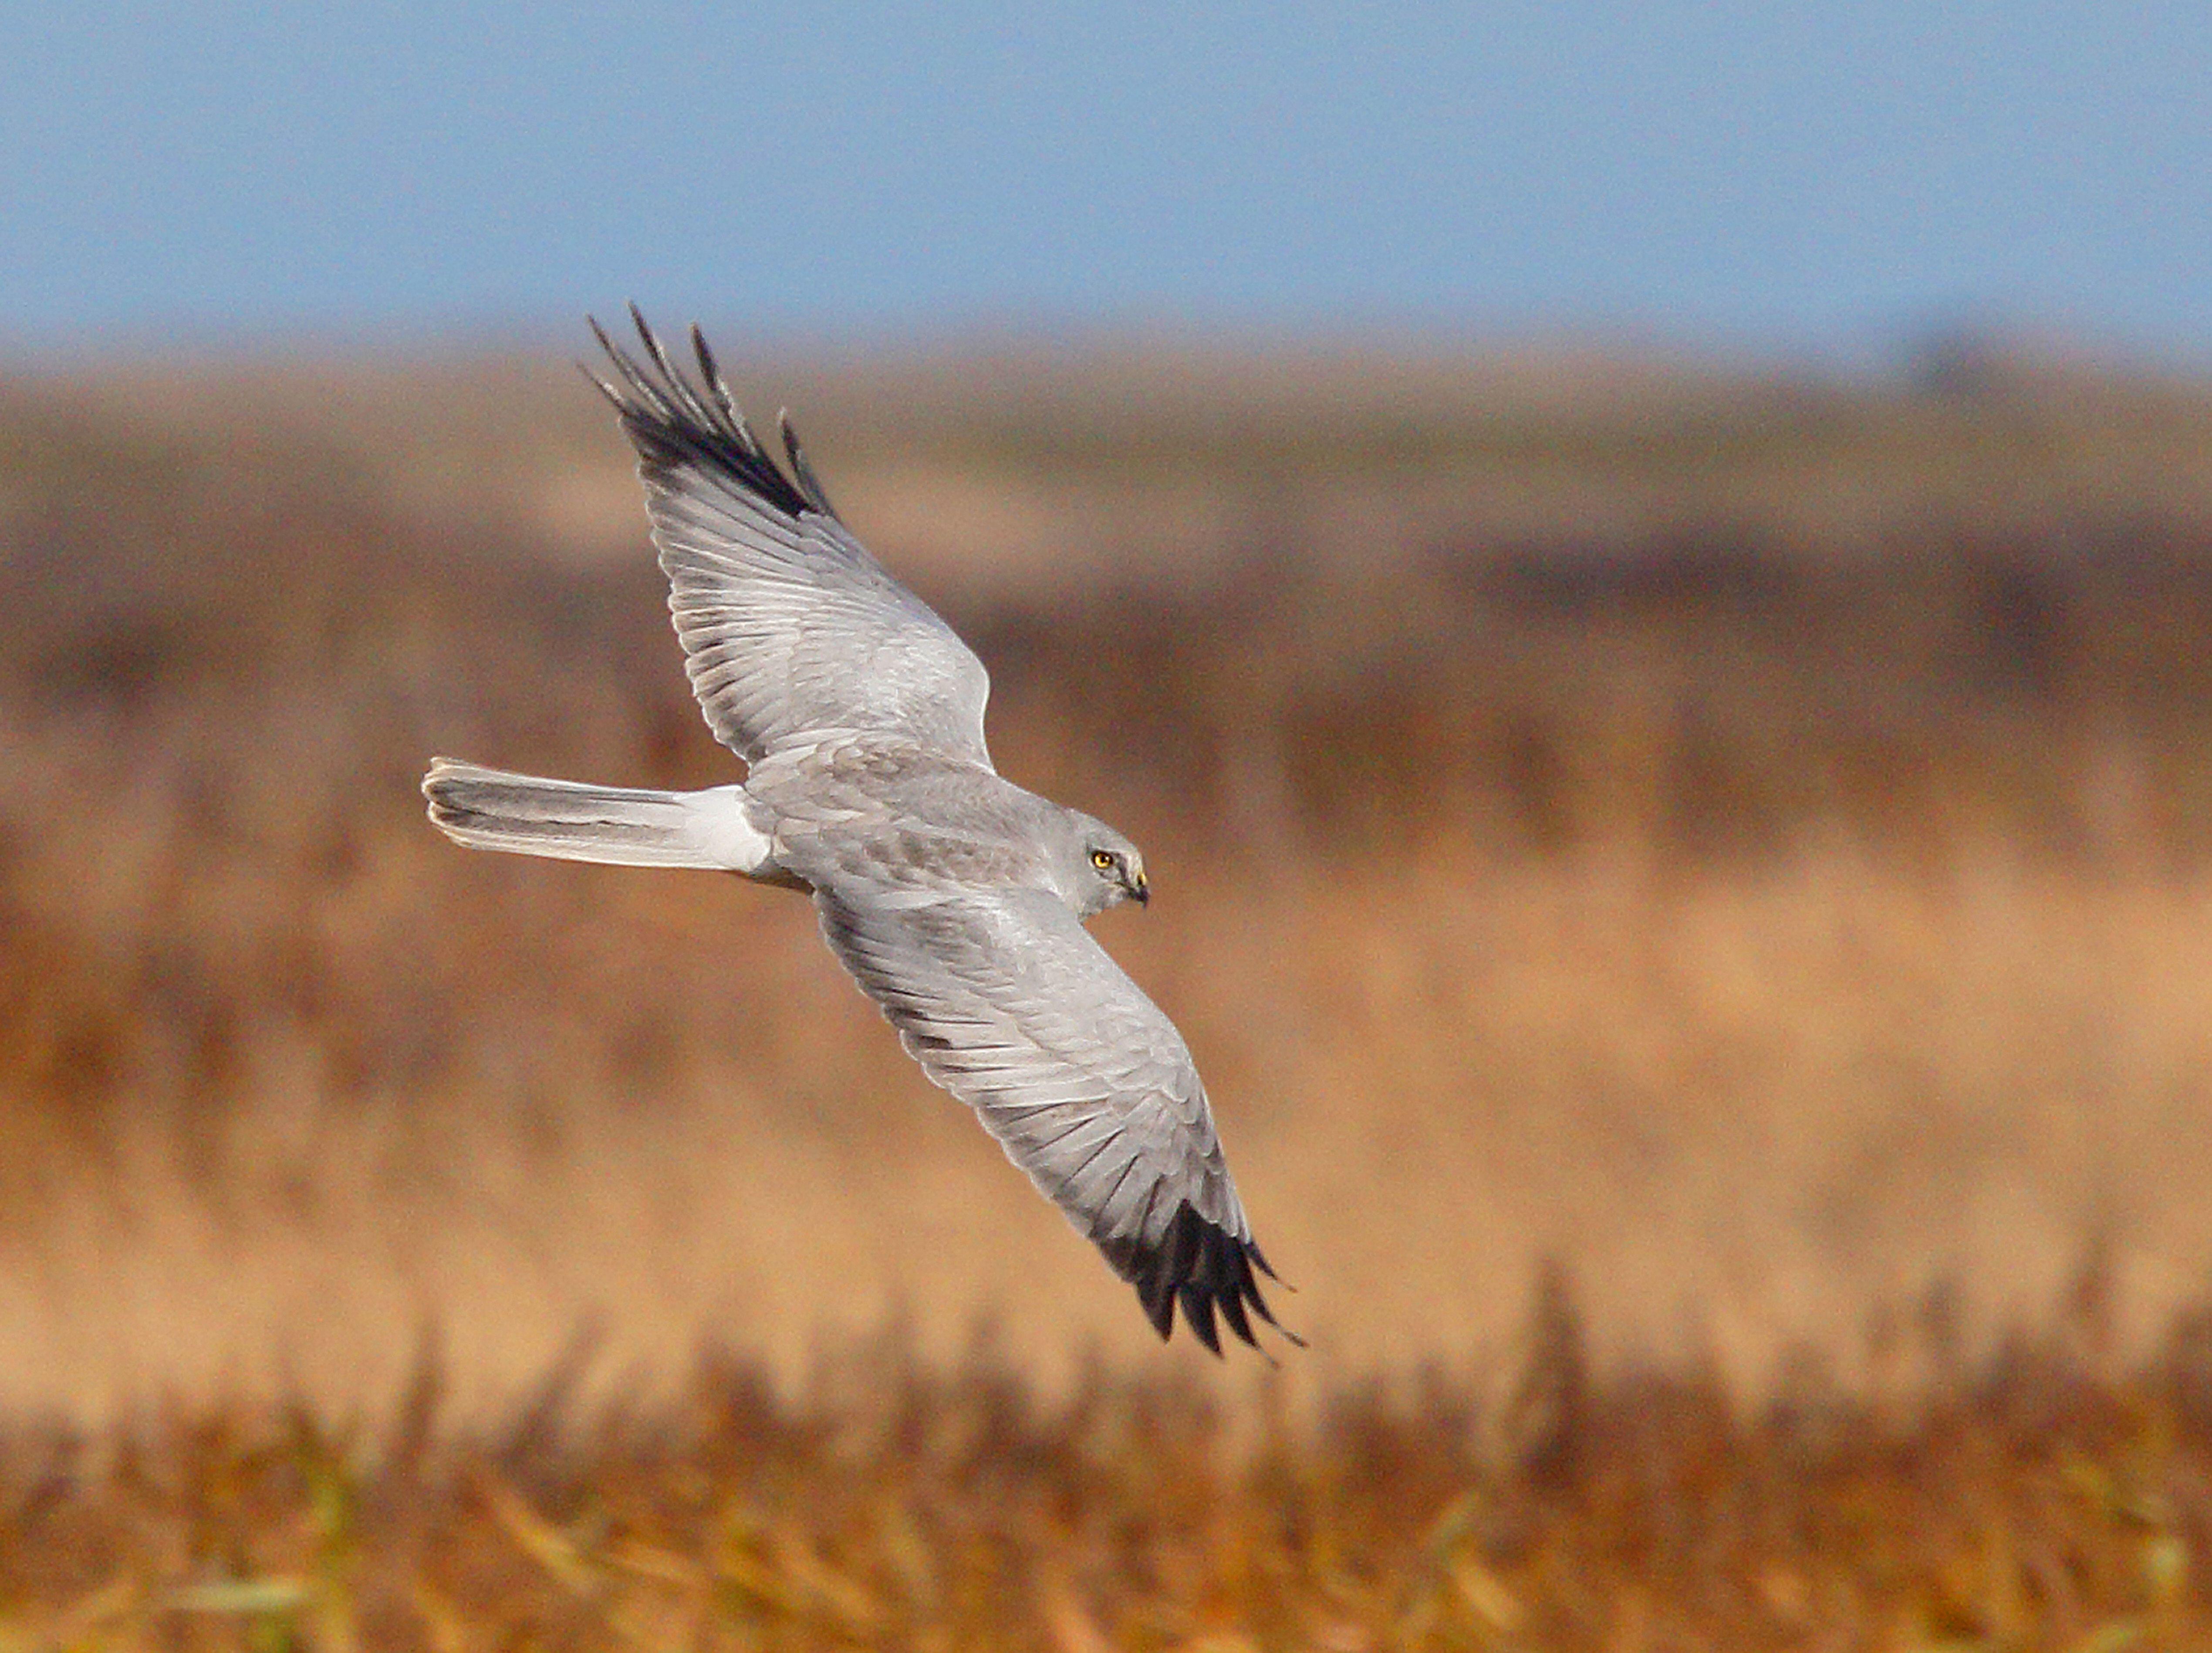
(1102, 860)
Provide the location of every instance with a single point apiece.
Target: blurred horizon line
(1872, 352)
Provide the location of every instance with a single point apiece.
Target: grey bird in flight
(955, 898)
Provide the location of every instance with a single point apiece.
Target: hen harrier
(955, 898)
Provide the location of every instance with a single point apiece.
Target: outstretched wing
(1007, 1002)
(791, 630)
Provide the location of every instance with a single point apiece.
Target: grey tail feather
(568, 820)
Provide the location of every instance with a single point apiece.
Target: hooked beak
(1141, 890)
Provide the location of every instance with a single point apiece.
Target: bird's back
(892, 810)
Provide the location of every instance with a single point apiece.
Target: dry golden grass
(2033, 1503)
(1744, 841)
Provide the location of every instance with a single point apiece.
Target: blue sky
(1778, 176)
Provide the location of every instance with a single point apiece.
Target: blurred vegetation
(2038, 1500)
(1716, 621)
(1704, 615)
(1746, 836)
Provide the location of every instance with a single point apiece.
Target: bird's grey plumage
(790, 628)
(568, 820)
(955, 898)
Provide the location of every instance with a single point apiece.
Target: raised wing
(1007, 1002)
(791, 630)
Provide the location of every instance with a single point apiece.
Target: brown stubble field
(1739, 842)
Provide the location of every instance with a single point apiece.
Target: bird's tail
(621, 826)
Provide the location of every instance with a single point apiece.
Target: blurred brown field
(1746, 837)
(1691, 888)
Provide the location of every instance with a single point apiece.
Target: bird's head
(1105, 869)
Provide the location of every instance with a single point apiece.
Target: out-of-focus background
(1643, 577)
(1748, 838)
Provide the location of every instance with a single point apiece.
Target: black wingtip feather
(1198, 1312)
(1159, 1307)
(1232, 1310)
(1205, 1269)
(671, 422)
(809, 483)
